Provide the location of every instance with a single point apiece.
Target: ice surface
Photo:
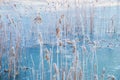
(59, 40)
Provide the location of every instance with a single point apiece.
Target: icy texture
(59, 40)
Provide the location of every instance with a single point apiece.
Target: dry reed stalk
(58, 32)
(74, 47)
(51, 63)
(41, 55)
(1, 24)
(80, 74)
(40, 39)
(47, 56)
(75, 75)
(17, 47)
(60, 43)
(84, 49)
(63, 75)
(92, 21)
(60, 21)
(103, 74)
(11, 62)
(0, 61)
(112, 24)
(69, 75)
(56, 69)
(14, 62)
(9, 70)
(33, 66)
(95, 68)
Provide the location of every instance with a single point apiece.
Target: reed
(41, 56)
(33, 70)
(103, 74)
(47, 56)
(63, 75)
(56, 71)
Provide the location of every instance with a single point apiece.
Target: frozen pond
(60, 40)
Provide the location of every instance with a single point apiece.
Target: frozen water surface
(60, 40)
